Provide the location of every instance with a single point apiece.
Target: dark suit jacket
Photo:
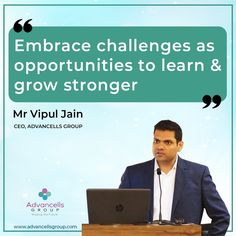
(194, 190)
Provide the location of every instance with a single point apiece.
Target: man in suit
(187, 187)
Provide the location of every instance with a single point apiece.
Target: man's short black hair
(171, 126)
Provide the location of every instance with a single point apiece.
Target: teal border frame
(114, 5)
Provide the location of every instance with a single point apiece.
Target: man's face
(165, 146)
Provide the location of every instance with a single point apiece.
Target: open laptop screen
(118, 206)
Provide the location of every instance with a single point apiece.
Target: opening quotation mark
(26, 27)
(208, 100)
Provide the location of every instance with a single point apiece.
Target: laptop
(118, 206)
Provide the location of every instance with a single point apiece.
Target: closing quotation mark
(26, 27)
(207, 100)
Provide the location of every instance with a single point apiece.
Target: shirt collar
(156, 166)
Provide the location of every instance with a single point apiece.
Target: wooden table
(141, 230)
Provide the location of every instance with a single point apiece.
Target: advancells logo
(44, 194)
(46, 206)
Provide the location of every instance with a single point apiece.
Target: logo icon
(44, 194)
(119, 207)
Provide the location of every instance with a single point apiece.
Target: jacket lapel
(179, 184)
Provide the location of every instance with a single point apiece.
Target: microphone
(160, 221)
(159, 178)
